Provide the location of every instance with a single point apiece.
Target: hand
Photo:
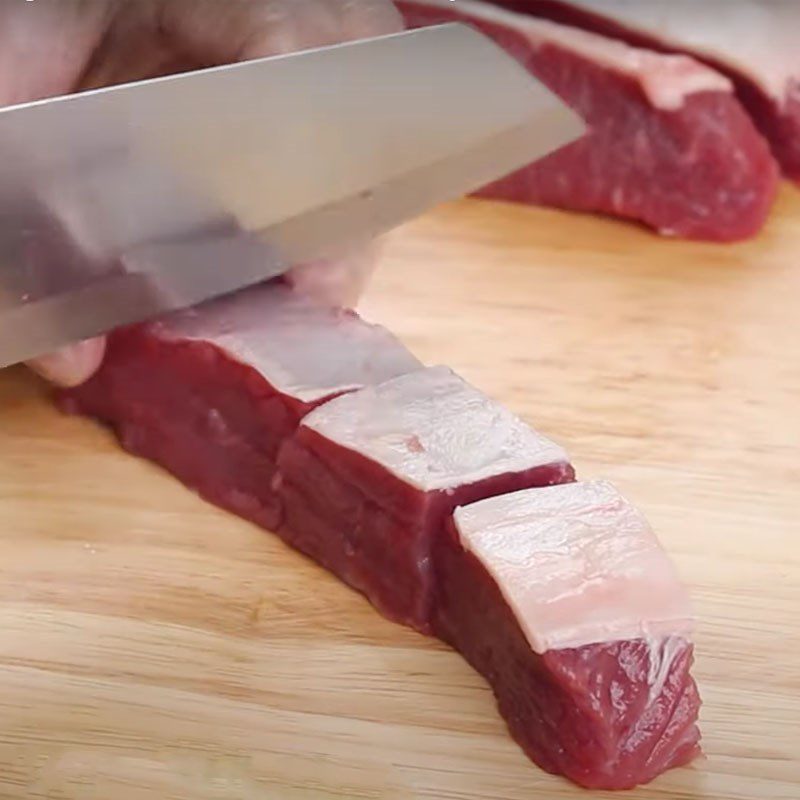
(53, 47)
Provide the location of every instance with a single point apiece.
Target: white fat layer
(755, 38)
(433, 431)
(577, 564)
(304, 349)
(666, 80)
(662, 652)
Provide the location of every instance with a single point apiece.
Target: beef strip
(419, 491)
(668, 145)
(752, 42)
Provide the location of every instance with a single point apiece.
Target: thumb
(73, 365)
(237, 30)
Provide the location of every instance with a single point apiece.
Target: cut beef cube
(211, 393)
(563, 599)
(369, 479)
(752, 42)
(668, 144)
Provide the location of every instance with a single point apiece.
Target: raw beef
(563, 599)
(753, 42)
(211, 393)
(425, 495)
(369, 479)
(669, 144)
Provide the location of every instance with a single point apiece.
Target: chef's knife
(120, 204)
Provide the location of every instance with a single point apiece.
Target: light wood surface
(154, 647)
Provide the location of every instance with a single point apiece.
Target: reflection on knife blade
(314, 150)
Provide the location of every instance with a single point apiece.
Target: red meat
(668, 145)
(415, 489)
(369, 479)
(752, 42)
(211, 393)
(563, 601)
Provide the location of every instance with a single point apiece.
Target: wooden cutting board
(154, 647)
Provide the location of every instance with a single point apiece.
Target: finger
(134, 48)
(247, 29)
(364, 18)
(44, 49)
(45, 46)
(341, 279)
(73, 365)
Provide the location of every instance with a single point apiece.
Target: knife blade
(121, 204)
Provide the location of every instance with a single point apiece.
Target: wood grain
(154, 647)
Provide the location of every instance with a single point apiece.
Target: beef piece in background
(669, 144)
(754, 43)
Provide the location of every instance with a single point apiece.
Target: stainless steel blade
(121, 204)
